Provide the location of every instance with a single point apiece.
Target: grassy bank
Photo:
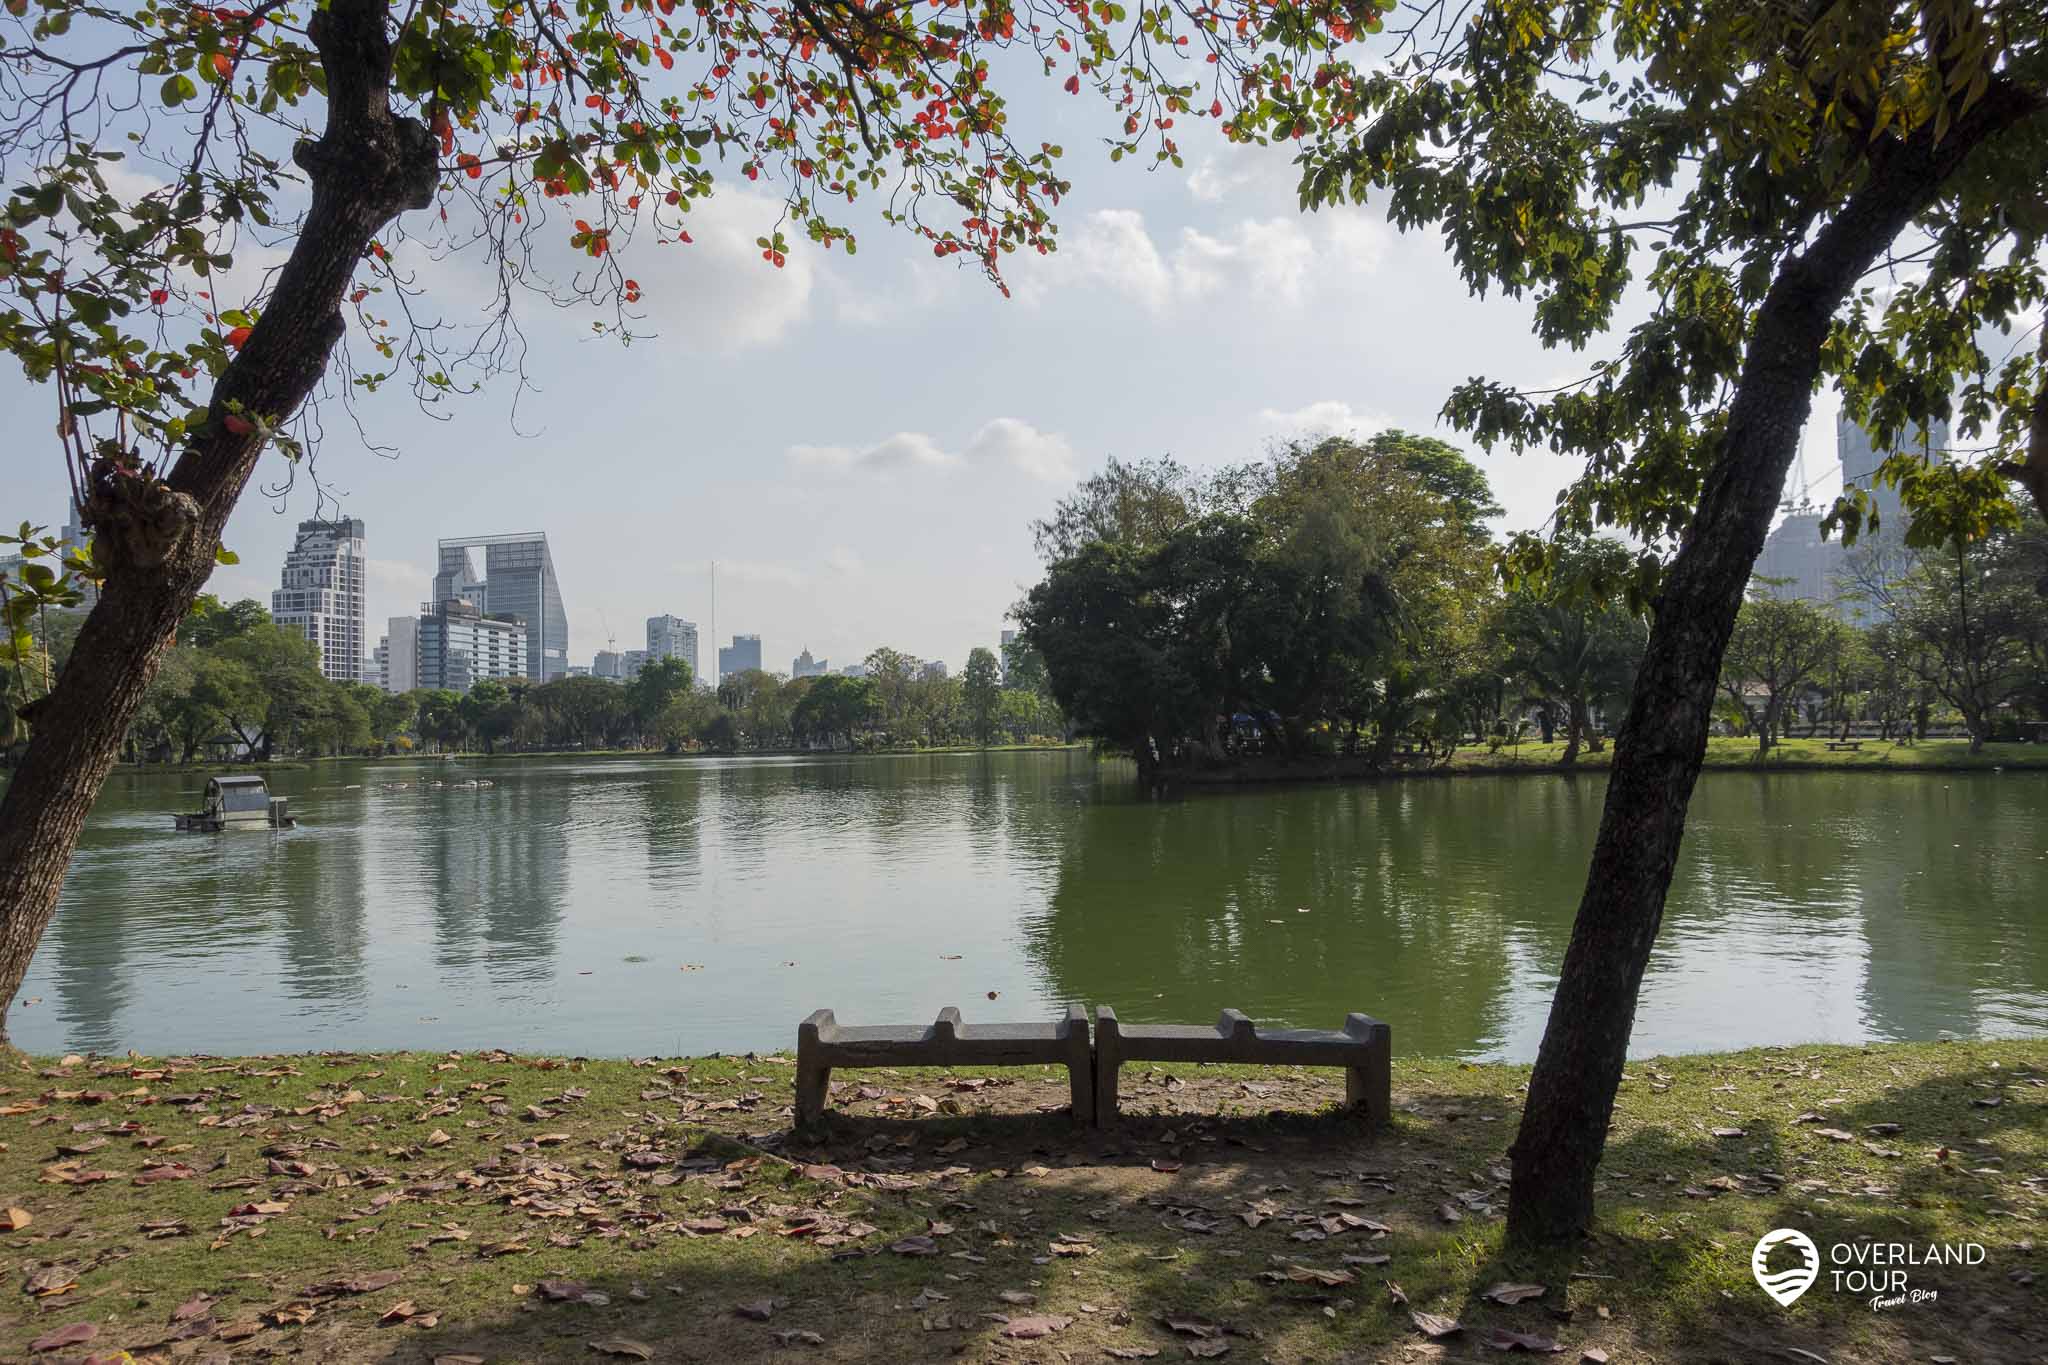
(1792, 755)
(496, 1208)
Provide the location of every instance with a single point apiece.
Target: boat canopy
(238, 794)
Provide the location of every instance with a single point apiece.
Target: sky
(861, 443)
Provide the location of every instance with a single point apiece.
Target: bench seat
(1363, 1047)
(822, 1044)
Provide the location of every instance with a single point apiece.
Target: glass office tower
(518, 580)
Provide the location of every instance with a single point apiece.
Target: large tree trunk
(1663, 741)
(156, 539)
(1575, 731)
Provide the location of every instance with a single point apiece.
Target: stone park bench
(1836, 746)
(1363, 1047)
(823, 1044)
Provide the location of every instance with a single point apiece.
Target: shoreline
(1532, 760)
(1723, 755)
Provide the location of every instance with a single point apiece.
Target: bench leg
(1369, 1089)
(813, 1093)
(1105, 1090)
(1081, 1089)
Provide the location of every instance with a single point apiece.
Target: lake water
(627, 907)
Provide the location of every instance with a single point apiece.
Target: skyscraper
(401, 661)
(743, 653)
(518, 581)
(459, 646)
(75, 537)
(804, 666)
(321, 595)
(671, 637)
(1813, 567)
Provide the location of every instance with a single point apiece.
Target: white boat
(242, 802)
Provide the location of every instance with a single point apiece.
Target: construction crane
(1800, 500)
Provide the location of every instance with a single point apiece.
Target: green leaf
(223, 555)
(178, 89)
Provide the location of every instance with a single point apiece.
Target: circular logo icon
(1785, 1285)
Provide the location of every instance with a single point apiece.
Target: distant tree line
(1345, 598)
(236, 682)
(1945, 635)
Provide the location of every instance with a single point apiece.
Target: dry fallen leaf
(1130, 1352)
(1204, 1350)
(1501, 1339)
(1030, 1329)
(797, 1336)
(1434, 1325)
(624, 1347)
(77, 1334)
(14, 1220)
(1514, 1293)
(760, 1310)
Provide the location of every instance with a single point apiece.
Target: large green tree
(1752, 164)
(1779, 646)
(1568, 637)
(981, 691)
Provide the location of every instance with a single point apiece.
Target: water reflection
(665, 905)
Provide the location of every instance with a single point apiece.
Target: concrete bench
(1363, 1047)
(822, 1044)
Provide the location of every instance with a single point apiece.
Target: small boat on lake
(242, 802)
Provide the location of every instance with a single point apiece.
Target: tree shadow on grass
(1033, 1206)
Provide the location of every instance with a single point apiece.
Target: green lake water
(642, 906)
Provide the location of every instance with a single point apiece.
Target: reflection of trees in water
(497, 867)
(1952, 886)
(322, 914)
(1425, 901)
(670, 808)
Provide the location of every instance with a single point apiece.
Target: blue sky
(861, 443)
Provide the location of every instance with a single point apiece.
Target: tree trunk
(1663, 741)
(1575, 731)
(157, 537)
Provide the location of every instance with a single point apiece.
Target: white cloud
(1328, 416)
(1000, 441)
(1210, 182)
(904, 450)
(1264, 260)
(1112, 247)
(1042, 455)
(843, 561)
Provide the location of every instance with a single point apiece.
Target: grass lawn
(486, 1207)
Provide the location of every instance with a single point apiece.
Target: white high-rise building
(671, 637)
(398, 655)
(322, 595)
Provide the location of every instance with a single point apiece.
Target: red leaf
(77, 1334)
(237, 337)
(1073, 85)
